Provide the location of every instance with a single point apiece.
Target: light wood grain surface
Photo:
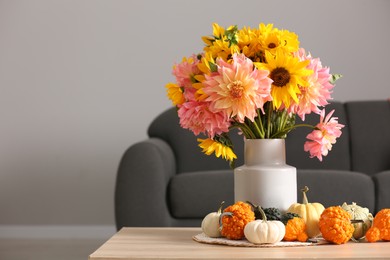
(177, 243)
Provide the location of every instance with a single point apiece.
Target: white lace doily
(203, 238)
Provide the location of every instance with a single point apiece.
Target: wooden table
(177, 243)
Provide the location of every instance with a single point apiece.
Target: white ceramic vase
(265, 179)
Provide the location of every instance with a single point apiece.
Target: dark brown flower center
(271, 45)
(280, 76)
(236, 89)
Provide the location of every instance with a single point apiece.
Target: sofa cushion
(334, 187)
(195, 194)
(369, 125)
(382, 185)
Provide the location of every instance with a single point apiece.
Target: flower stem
(288, 129)
(258, 129)
(245, 130)
(269, 108)
(260, 123)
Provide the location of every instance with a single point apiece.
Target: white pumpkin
(210, 223)
(264, 232)
(359, 213)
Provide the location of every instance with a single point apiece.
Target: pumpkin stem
(304, 190)
(228, 214)
(263, 216)
(255, 209)
(220, 207)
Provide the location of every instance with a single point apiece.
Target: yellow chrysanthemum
(249, 42)
(210, 146)
(218, 31)
(287, 73)
(175, 93)
(246, 36)
(220, 49)
(220, 44)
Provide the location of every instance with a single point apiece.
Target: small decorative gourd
(210, 223)
(335, 225)
(310, 212)
(234, 219)
(380, 229)
(263, 231)
(359, 213)
(296, 230)
(270, 213)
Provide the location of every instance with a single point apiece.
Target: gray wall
(81, 80)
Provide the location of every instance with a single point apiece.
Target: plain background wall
(81, 80)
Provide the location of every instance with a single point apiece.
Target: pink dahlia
(197, 117)
(186, 70)
(323, 136)
(238, 89)
(319, 90)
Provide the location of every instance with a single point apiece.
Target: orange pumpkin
(380, 229)
(335, 225)
(310, 212)
(295, 230)
(234, 220)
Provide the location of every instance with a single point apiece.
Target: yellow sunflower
(273, 38)
(199, 93)
(210, 146)
(206, 66)
(265, 29)
(287, 73)
(271, 41)
(175, 93)
(289, 40)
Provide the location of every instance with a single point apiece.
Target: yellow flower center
(280, 76)
(236, 89)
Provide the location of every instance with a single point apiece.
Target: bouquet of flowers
(257, 80)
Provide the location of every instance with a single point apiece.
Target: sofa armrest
(141, 185)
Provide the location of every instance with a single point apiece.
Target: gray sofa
(167, 181)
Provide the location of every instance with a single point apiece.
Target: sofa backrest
(369, 126)
(190, 158)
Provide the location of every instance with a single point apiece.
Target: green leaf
(287, 216)
(231, 35)
(232, 164)
(334, 78)
(193, 80)
(213, 67)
